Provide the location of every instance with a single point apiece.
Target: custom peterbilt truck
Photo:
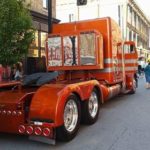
(93, 64)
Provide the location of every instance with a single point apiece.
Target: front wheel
(91, 108)
(134, 86)
(71, 119)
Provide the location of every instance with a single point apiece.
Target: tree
(16, 31)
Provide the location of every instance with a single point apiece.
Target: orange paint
(97, 59)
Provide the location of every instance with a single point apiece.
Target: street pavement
(123, 124)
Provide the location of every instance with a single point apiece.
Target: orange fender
(49, 101)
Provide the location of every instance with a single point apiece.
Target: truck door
(118, 63)
(130, 57)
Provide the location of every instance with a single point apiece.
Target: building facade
(39, 12)
(132, 20)
(138, 26)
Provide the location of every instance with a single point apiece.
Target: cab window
(54, 51)
(129, 49)
(87, 48)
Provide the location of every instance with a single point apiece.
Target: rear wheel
(91, 109)
(71, 119)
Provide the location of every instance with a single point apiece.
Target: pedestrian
(13, 72)
(144, 64)
(147, 75)
(139, 69)
(136, 78)
(18, 73)
(1, 72)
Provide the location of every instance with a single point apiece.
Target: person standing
(13, 72)
(147, 75)
(18, 73)
(139, 69)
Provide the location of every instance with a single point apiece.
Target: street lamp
(49, 3)
(81, 2)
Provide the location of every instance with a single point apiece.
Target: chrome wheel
(71, 119)
(70, 115)
(93, 104)
(134, 85)
(133, 90)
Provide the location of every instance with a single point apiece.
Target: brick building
(39, 12)
(35, 62)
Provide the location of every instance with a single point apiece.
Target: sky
(144, 5)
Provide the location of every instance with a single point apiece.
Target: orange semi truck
(93, 64)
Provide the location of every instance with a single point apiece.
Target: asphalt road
(123, 124)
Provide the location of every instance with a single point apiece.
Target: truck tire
(133, 90)
(71, 116)
(91, 108)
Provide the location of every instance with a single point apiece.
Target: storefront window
(43, 38)
(43, 54)
(33, 51)
(35, 41)
(37, 47)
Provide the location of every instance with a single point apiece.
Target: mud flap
(43, 140)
